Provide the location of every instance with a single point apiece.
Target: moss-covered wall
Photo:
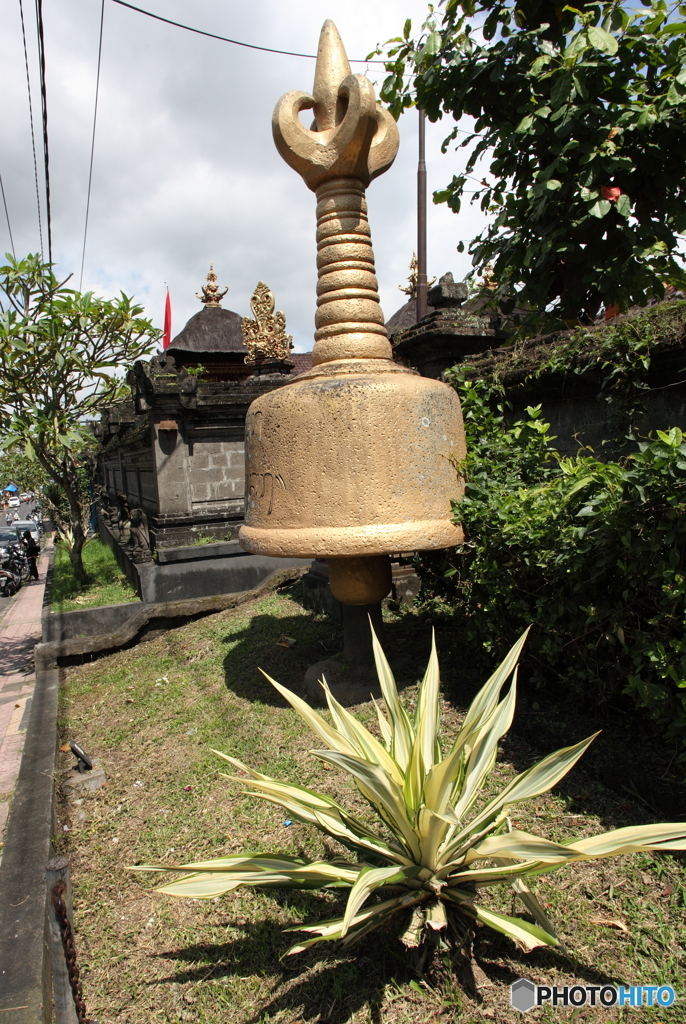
(596, 383)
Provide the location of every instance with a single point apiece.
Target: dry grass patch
(150, 714)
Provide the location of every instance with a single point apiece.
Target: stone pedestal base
(350, 684)
(351, 675)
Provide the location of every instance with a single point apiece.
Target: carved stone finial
(353, 136)
(488, 280)
(448, 293)
(211, 296)
(411, 286)
(265, 336)
(352, 140)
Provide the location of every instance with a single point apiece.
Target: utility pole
(421, 221)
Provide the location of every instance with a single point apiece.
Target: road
(24, 508)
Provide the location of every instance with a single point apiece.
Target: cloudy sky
(185, 169)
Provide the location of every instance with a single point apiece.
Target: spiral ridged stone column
(349, 321)
(356, 458)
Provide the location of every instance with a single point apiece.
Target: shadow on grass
(335, 983)
(620, 778)
(316, 638)
(325, 980)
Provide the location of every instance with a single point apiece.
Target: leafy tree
(17, 469)
(61, 356)
(579, 114)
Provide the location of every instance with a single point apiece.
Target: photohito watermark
(525, 996)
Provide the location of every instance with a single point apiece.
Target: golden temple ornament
(410, 289)
(488, 280)
(356, 458)
(211, 296)
(265, 336)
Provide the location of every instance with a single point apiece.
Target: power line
(44, 106)
(95, 120)
(225, 39)
(33, 137)
(9, 226)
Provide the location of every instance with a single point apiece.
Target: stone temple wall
(177, 451)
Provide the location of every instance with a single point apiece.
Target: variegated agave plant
(442, 851)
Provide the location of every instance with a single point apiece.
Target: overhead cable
(44, 106)
(95, 121)
(33, 137)
(225, 39)
(9, 226)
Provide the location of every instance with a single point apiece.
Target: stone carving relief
(139, 536)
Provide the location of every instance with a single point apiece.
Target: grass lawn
(151, 713)
(108, 583)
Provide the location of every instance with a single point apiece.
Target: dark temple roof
(404, 318)
(211, 330)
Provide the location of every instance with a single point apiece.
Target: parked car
(8, 535)
(27, 524)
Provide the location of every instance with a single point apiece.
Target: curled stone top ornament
(265, 336)
(211, 296)
(352, 140)
(352, 135)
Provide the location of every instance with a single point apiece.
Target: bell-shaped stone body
(353, 458)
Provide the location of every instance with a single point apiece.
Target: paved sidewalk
(20, 631)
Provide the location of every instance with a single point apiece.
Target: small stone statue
(139, 536)
(103, 501)
(124, 518)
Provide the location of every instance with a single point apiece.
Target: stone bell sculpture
(354, 459)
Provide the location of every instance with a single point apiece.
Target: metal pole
(65, 1008)
(421, 221)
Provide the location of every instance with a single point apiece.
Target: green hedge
(591, 552)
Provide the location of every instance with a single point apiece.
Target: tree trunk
(76, 557)
(65, 475)
(71, 489)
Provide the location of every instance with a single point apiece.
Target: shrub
(591, 551)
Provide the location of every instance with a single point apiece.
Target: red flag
(166, 337)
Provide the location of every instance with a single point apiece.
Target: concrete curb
(25, 970)
(164, 615)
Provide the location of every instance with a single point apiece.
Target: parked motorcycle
(9, 583)
(10, 572)
(14, 569)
